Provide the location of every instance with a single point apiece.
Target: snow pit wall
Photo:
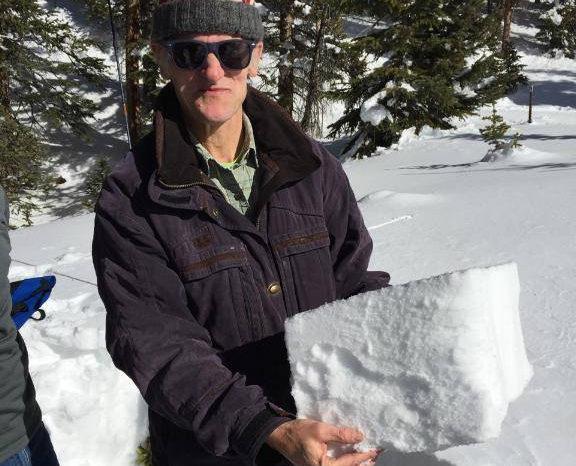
(417, 367)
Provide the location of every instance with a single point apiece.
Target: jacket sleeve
(350, 242)
(9, 352)
(5, 300)
(12, 374)
(153, 337)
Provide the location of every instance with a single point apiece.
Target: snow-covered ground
(431, 207)
(453, 213)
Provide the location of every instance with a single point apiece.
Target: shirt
(234, 179)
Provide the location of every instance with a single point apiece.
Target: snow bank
(418, 367)
(95, 414)
(526, 156)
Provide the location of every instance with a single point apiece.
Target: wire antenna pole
(115, 45)
(60, 274)
(531, 103)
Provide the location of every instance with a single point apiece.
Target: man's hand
(304, 443)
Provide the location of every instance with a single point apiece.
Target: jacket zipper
(191, 185)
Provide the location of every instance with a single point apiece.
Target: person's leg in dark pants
(41, 449)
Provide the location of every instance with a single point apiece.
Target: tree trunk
(150, 72)
(133, 68)
(4, 90)
(286, 66)
(507, 8)
(490, 7)
(4, 80)
(314, 83)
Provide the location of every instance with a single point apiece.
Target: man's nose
(212, 68)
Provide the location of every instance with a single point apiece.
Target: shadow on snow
(105, 139)
(551, 166)
(555, 93)
(523, 137)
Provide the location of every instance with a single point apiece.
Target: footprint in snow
(397, 199)
(72, 257)
(391, 221)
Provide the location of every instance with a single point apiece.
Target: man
(24, 441)
(220, 224)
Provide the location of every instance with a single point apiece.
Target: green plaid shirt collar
(234, 179)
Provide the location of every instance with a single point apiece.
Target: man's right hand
(305, 443)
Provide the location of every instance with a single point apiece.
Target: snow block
(417, 367)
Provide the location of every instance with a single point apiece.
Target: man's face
(212, 93)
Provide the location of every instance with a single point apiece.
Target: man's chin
(216, 119)
(216, 116)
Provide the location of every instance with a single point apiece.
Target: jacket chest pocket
(306, 268)
(218, 283)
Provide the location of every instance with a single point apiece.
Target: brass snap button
(274, 288)
(215, 213)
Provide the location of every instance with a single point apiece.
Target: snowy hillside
(431, 207)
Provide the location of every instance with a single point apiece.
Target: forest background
(387, 65)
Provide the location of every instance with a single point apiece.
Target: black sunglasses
(234, 54)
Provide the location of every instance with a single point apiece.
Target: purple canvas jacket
(196, 293)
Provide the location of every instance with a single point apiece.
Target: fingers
(354, 459)
(341, 434)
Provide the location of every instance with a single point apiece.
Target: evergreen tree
(304, 40)
(144, 453)
(558, 28)
(278, 74)
(141, 75)
(496, 133)
(436, 61)
(45, 64)
(94, 182)
(22, 172)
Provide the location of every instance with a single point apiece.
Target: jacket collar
(284, 149)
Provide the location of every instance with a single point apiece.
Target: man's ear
(256, 59)
(156, 51)
(160, 57)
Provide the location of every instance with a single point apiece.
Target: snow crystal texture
(418, 367)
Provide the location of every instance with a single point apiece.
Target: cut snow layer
(417, 367)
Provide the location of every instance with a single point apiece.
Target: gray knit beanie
(174, 17)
